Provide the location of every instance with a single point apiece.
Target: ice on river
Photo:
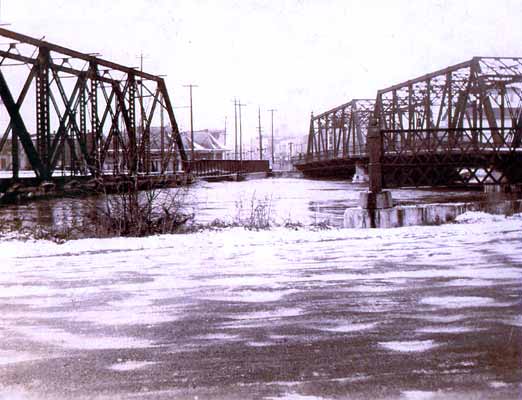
(210, 314)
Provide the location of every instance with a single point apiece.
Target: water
(430, 312)
(287, 200)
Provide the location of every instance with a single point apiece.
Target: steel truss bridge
(458, 126)
(69, 116)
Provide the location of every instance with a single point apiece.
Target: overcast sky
(295, 56)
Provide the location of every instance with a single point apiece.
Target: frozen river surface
(428, 312)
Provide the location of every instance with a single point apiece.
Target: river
(292, 200)
(430, 312)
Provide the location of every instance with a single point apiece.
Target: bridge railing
(226, 167)
(450, 157)
(335, 155)
(451, 141)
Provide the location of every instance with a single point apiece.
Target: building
(6, 158)
(208, 144)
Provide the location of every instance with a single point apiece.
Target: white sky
(296, 56)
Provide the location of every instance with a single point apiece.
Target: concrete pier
(376, 200)
(426, 214)
(503, 192)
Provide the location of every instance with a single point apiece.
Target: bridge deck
(28, 185)
(446, 167)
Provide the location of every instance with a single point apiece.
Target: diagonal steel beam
(20, 130)
(130, 126)
(65, 122)
(81, 141)
(19, 102)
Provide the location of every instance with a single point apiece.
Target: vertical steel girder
(95, 123)
(101, 123)
(43, 122)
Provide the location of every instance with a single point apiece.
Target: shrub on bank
(128, 212)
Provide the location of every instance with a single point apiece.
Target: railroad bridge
(73, 118)
(459, 126)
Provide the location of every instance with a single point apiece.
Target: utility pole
(142, 120)
(162, 139)
(272, 139)
(259, 130)
(240, 131)
(235, 128)
(190, 86)
(141, 57)
(225, 134)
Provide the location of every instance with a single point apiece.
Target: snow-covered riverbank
(418, 312)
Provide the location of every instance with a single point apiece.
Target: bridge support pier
(375, 199)
(500, 192)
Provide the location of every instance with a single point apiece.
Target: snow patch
(498, 384)
(376, 288)
(516, 321)
(461, 302)
(252, 296)
(471, 217)
(354, 378)
(410, 346)
(16, 393)
(447, 329)
(13, 357)
(219, 336)
(64, 339)
(130, 365)
(280, 313)
(470, 282)
(446, 319)
(346, 328)
(417, 395)
(295, 396)
(259, 344)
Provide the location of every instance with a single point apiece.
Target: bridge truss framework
(337, 138)
(461, 125)
(82, 115)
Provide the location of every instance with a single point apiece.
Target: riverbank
(406, 313)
